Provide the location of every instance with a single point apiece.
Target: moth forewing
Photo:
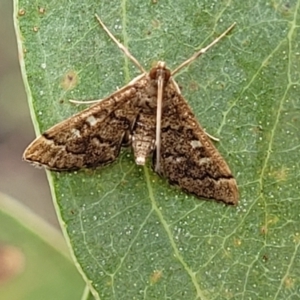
(187, 156)
(149, 114)
(74, 143)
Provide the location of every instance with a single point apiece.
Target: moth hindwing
(151, 115)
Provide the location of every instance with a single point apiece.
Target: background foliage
(33, 257)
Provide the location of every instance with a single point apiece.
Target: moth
(151, 115)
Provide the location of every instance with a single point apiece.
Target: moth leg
(116, 93)
(211, 136)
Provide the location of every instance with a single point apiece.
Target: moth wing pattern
(90, 138)
(188, 157)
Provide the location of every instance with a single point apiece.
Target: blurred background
(17, 178)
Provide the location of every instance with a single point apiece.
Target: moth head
(160, 70)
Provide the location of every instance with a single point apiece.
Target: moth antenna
(121, 46)
(211, 136)
(202, 51)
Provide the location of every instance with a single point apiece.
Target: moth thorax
(160, 70)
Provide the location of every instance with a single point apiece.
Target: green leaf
(132, 235)
(33, 257)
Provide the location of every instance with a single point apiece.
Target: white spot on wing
(91, 120)
(196, 144)
(179, 159)
(76, 132)
(204, 160)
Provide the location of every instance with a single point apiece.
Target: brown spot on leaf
(155, 276)
(237, 242)
(220, 85)
(280, 174)
(296, 238)
(265, 258)
(257, 129)
(70, 80)
(21, 12)
(42, 10)
(155, 23)
(193, 86)
(264, 230)
(271, 221)
(289, 282)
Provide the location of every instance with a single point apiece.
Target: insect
(151, 115)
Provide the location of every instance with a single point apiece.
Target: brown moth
(151, 115)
